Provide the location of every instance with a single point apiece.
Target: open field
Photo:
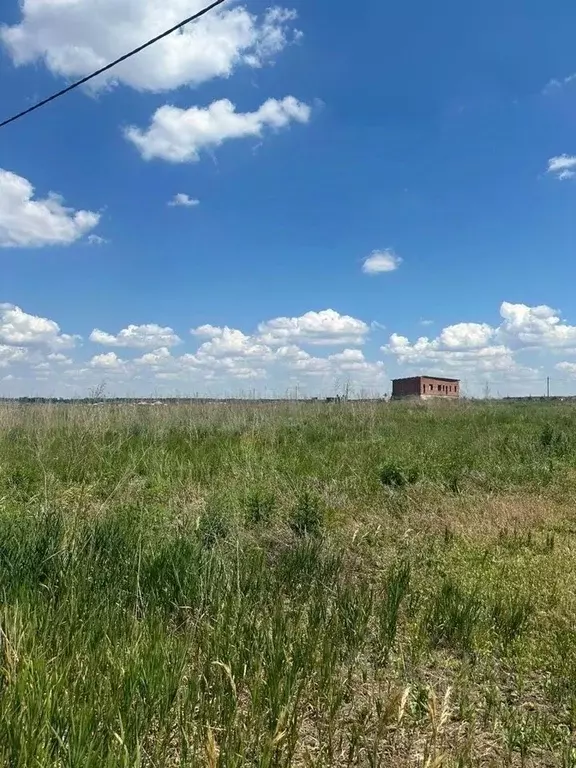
(288, 585)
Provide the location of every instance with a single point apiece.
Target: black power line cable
(126, 56)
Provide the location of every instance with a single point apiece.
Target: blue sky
(358, 193)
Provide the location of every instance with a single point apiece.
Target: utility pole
(547, 386)
(347, 390)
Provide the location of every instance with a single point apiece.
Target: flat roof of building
(426, 376)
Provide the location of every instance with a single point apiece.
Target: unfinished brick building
(424, 387)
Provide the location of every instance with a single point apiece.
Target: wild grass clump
(394, 475)
(307, 516)
(214, 524)
(453, 617)
(511, 614)
(555, 441)
(260, 508)
(389, 605)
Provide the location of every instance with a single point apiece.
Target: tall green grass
(270, 586)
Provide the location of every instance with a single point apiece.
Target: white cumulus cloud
(562, 166)
(466, 336)
(514, 354)
(182, 200)
(207, 331)
(350, 365)
(10, 355)
(540, 326)
(58, 358)
(19, 328)
(179, 135)
(323, 328)
(272, 351)
(381, 261)
(29, 223)
(137, 336)
(486, 347)
(232, 342)
(482, 347)
(109, 361)
(157, 359)
(74, 37)
(459, 347)
(565, 367)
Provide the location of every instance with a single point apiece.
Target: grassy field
(288, 585)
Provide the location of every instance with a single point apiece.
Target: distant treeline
(167, 400)
(239, 400)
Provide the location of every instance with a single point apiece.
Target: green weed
(453, 617)
(307, 517)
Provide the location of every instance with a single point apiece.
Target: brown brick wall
(440, 388)
(425, 386)
(406, 387)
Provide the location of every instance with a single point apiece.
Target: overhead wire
(112, 64)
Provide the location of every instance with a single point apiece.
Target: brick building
(424, 387)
